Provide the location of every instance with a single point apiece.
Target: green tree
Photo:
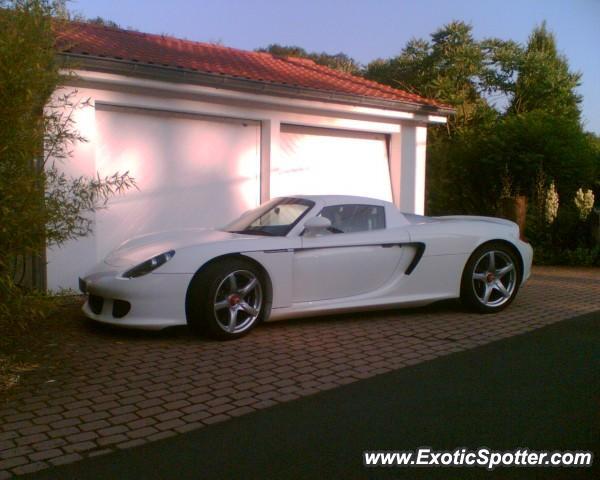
(541, 129)
(452, 67)
(544, 80)
(458, 70)
(39, 205)
(517, 129)
(517, 112)
(409, 71)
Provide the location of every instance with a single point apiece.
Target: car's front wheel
(227, 299)
(491, 278)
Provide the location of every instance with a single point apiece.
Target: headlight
(149, 265)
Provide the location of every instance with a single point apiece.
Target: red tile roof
(160, 50)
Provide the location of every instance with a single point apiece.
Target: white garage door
(323, 161)
(192, 171)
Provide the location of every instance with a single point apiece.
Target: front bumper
(152, 302)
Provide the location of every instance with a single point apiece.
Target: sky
(367, 29)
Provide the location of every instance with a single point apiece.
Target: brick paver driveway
(117, 389)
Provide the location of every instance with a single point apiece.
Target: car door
(356, 256)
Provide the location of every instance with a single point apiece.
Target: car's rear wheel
(491, 278)
(227, 299)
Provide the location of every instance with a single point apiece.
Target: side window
(354, 218)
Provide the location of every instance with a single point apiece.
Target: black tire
(474, 290)
(206, 291)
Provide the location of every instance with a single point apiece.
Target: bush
(40, 205)
(565, 239)
(580, 256)
(20, 307)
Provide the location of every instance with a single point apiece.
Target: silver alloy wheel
(238, 301)
(494, 278)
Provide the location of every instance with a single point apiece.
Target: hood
(139, 249)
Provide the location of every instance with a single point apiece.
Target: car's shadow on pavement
(182, 332)
(106, 330)
(443, 306)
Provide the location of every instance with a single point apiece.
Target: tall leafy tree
(458, 70)
(541, 129)
(408, 71)
(517, 112)
(545, 81)
(451, 67)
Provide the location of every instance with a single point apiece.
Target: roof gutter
(180, 75)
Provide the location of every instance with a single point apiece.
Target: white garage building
(209, 131)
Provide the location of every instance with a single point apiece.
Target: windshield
(275, 218)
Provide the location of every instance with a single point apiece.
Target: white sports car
(306, 255)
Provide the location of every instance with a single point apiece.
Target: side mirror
(316, 225)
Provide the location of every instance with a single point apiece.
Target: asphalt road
(539, 390)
